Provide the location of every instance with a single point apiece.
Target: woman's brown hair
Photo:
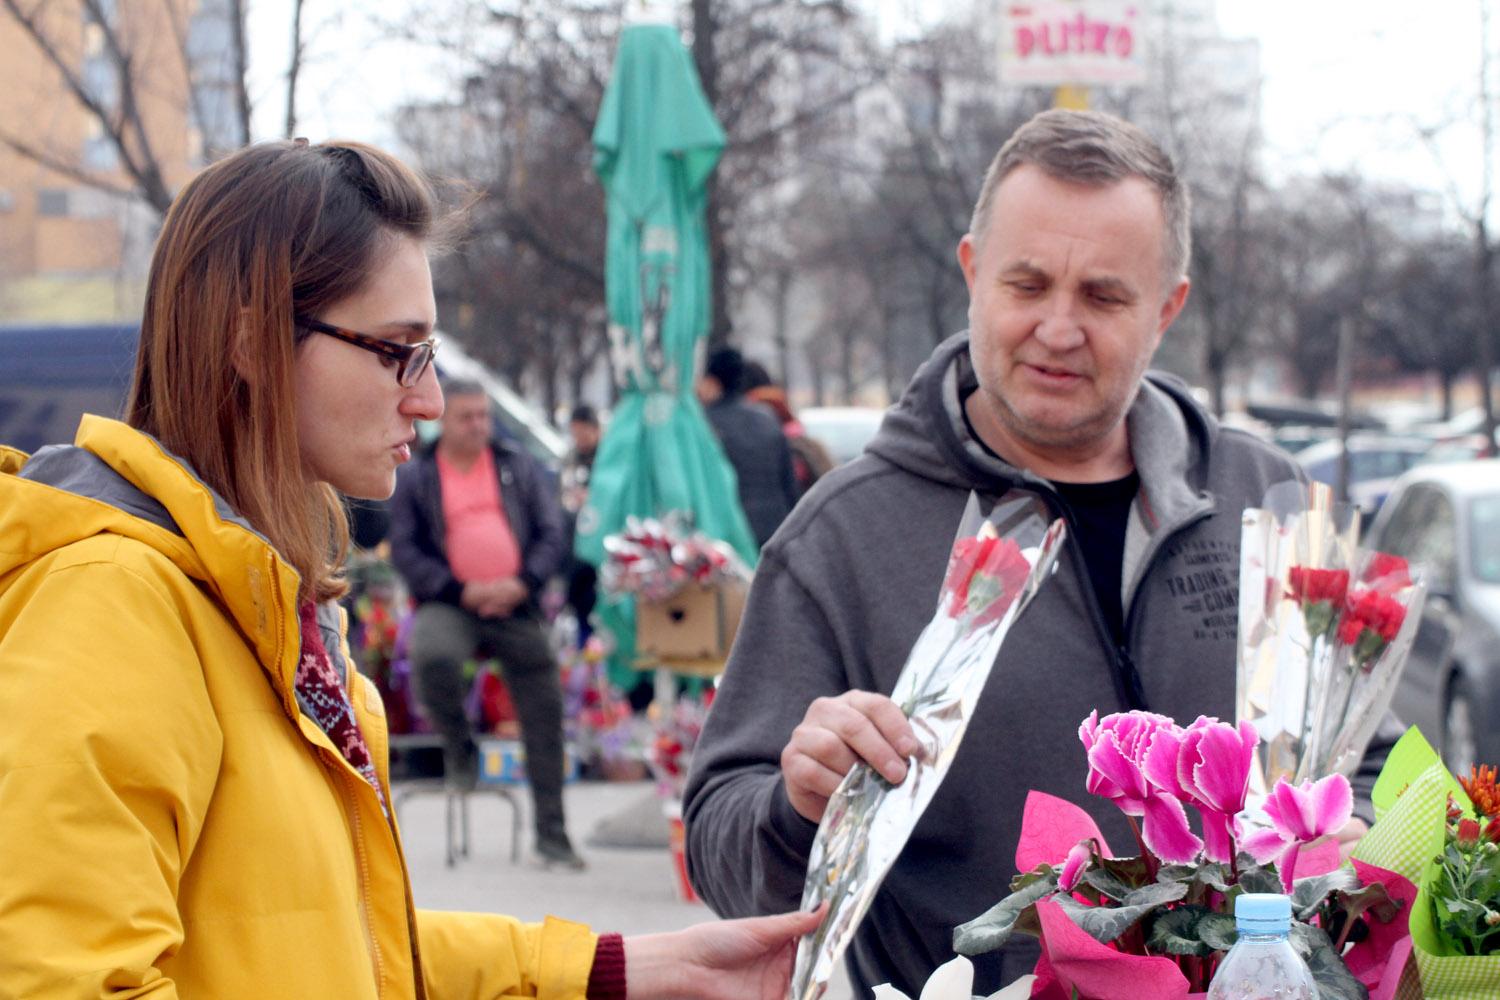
(276, 230)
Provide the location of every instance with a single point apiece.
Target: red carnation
(1372, 618)
(1387, 573)
(985, 575)
(1320, 593)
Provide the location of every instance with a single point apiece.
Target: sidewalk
(632, 891)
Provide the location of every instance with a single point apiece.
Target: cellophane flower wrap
(996, 566)
(655, 559)
(1431, 830)
(1155, 925)
(1323, 633)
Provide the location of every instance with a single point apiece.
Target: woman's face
(356, 424)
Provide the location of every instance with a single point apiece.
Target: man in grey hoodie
(1076, 263)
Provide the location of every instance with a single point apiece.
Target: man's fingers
(808, 776)
(866, 726)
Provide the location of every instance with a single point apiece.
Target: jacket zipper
(1129, 691)
(366, 917)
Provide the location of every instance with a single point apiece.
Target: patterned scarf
(323, 697)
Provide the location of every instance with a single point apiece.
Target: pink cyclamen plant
(1118, 746)
(1208, 766)
(1299, 815)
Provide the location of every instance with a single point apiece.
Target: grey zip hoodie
(851, 578)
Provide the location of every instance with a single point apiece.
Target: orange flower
(1482, 791)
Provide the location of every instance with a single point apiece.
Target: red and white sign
(1080, 42)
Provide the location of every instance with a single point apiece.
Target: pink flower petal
(1160, 761)
(1332, 802)
(1290, 811)
(1118, 770)
(1263, 845)
(1166, 831)
(1220, 830)
(1072, 869)
(1221, 777)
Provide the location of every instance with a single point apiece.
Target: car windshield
(1484, 537)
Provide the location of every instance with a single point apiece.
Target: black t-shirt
(1101, 512)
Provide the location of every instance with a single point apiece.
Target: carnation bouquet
(1324, 630)
(996, 566)
(1156, 924)
(1443, 834)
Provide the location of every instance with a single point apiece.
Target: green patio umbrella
(655, 144)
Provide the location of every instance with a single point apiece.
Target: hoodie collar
(925, 433)
(117, 479)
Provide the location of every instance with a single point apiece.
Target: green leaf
(1156, 894)
(1334, 980)
(1219, 931)
(1134, 872)
(1107, 883)
(1178, 873)
(1260, 878)
(992, 928)
(1024, 879)
(1213, 875)
(1308, 893)
(1177, 932)
(1103, 923)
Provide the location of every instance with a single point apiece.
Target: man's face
(1066, 307)
(466, 423)
(585, 436)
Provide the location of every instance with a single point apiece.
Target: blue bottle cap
(1263, 913)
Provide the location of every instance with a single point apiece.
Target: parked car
(1445, 519)
(1375, 460)
(843, 430)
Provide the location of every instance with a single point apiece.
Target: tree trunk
(706, 59)
(783, 292)
(1445, 389)
(294, 68)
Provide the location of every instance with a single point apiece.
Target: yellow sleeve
(108, 751)
(486, 956)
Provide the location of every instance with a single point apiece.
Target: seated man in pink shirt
(476, 530)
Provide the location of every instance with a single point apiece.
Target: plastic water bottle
(1262, 965)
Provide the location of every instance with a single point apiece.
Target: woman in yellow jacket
(193, 791)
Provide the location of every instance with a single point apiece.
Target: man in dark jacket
(753, 441)
(1076, 262)
(476, 531)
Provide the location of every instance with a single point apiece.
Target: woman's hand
(747, 959)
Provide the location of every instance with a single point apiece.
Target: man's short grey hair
(1090, 147)
(463, 387)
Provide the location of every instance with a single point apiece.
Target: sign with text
(1082, 42)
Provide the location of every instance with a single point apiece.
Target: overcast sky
(1347, 82)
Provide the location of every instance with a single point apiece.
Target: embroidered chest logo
(1206, 586)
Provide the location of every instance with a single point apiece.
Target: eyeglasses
(411, 359)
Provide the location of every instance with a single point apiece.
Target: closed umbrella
(655, 144)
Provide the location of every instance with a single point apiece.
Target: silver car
(1445, 519)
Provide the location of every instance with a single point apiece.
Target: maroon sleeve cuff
(607, 977)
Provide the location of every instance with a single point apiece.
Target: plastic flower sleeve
(996, 566)
(1295, 553)
(1382, 612)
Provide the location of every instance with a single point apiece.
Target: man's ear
(966, 253)
(1172, 307)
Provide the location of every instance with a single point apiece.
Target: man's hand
(834, 735)
(747, 959)
(494, 598)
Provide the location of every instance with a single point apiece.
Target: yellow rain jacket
(171, 825)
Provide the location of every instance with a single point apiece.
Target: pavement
(631, 890)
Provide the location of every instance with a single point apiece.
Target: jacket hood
(116, 480)
(925, 433)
